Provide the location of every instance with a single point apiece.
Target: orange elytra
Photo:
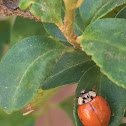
(93, 110)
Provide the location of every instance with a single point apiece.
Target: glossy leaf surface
(105, 41)
(24, 68)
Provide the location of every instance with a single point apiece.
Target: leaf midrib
(102, 6)
(90, 20)
(25, 72)
(70, 68)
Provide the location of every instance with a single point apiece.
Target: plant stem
(78, 3)
(4, 11)
(67, 28)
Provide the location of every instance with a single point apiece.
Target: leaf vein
(70, 68)
(25, 72)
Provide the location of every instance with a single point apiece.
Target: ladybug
(93, 110)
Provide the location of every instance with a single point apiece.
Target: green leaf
(24, 68)
(42, 97)
(105, 88)
(89, 80)
(69, 69)
(77, 30)
(4, 34)
(67, 106)
(79, 25)
(122, 13)
(48, 10)
(25, 4)
(23, 28)
(92, 10)
(114, 12)
(105, 41)
(54, 31)
(16, 119)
